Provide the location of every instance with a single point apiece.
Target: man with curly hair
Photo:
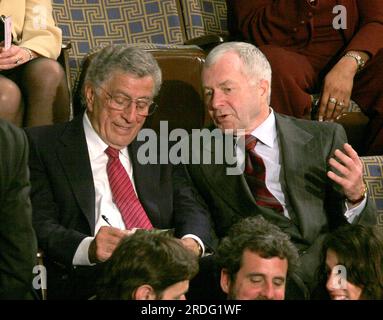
(255, 259)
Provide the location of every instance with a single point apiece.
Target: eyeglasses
(144, 107)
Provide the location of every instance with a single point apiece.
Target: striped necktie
(124, 197)
(255, 175)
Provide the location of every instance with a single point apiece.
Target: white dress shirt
(104, 204)
(268, 149)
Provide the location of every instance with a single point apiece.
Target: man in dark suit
(18, 245)
(312, 180)
(81, 208)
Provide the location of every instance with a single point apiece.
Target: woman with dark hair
(353, 263)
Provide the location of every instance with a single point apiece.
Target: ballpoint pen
(105, 219)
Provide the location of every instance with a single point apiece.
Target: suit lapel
(303, 183)
(232, 189)
(74, 158)
(147, 182)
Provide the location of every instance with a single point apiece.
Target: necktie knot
(250, 142)
(112, 152)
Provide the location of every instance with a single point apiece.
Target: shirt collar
(96, 145)
(266, 132)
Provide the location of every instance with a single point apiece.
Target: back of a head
(146, 258)
(259, 236)
(359, 249)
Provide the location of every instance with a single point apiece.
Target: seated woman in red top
(333, 47)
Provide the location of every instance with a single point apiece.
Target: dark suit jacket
(63, 200)
(274, 21)
(18, 246)
(316, 203)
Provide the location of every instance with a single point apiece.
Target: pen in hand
(105, 219)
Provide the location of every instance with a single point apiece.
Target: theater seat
(88, 24)
(373, 176)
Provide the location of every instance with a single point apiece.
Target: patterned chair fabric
(373, 176)
(204, 17)
(90, 23)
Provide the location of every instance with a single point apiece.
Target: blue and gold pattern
(204, 17)
(90, 23)
(373, 176)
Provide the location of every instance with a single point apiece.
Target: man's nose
(130, 112)
(216, 100)
(268, 291)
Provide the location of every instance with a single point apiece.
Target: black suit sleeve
(190, 211)
(18, 246)
(56, 236)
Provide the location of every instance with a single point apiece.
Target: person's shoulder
(51, 133)
(46, 130)
(310, 125)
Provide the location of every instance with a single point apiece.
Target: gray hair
(256, 65)
(259, 236)
(126, 59)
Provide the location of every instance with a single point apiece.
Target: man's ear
(89, 93)
(225, 280)
(144, 292)
(264, 86)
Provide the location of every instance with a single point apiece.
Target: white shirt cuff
(353, 213)
(81, 257)
(196, 239)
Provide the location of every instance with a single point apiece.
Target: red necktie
(124, 197)
(255, 174)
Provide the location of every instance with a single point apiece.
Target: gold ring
(332, 100)
(340, 104)
(17, 61)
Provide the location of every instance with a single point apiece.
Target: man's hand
(350, 176)
(337, 88)
(193, 245)
(104, 244)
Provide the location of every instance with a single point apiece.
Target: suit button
(303, 22)
(295, 29)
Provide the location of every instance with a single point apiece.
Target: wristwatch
(358, 58)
